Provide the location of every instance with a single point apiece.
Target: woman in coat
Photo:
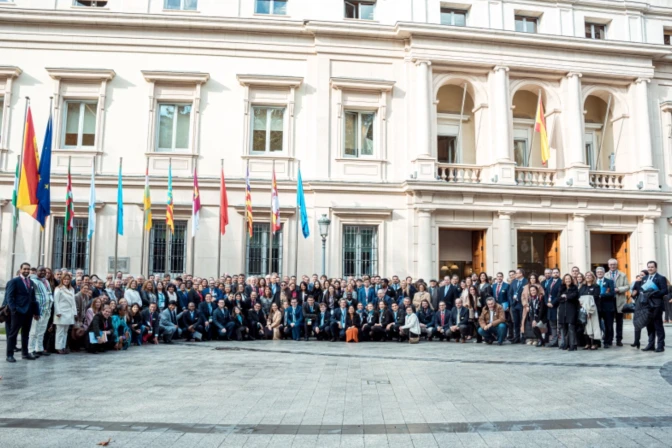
(148, 294)
(484, 287)
(421, 295)
(240, 329)
(131, 293)
(536, 314)
(589, 297)
(273, 329)
(65, 309)
(568, 311)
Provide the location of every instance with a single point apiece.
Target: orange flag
(540, 127)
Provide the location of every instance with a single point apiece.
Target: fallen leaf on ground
(105, 442)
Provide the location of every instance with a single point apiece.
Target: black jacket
(385, 317)
(220, 318)
(256, 317)
(186, 320)
(205, 312)
(350, 322)
(100, 324)
(426, 316)
(151, 320)
(569, 305)
(463, 317)
(454, 292)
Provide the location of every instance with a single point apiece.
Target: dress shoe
(45, 353)
(554, 345)
(500, 343)
(36, 354)
(619, 344)
(573, 349)
(11, 359)
(660, 349)
(539, 344)
(636, 344)
(28, 357)
(648, 348)
(607, 345)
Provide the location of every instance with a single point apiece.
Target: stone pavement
(286, 393)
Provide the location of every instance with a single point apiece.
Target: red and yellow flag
(27, 197)
(248, 203)
(540, 127)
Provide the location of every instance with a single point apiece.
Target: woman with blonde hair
(421, 295)
(273, 329)
(65, 310)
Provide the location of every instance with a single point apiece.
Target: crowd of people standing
(56, 313)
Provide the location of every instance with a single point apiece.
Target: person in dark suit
(552, 299)
(500, 290)
(322, 325)
(654, 288)
(607, 305)
(294, 320)
(568, 310)
(221, 319)
(240, 327)
(191, 322)
(434, 293)
(151, 319)
(458, 322)
(398, 321)
(310, 312)
(384, 319)
(426, 319)
(256, 320)
(22, 302)
(338, 321)
(516, 304)
(442, 322)
(450, 291)
(370, 319)
(206, 309)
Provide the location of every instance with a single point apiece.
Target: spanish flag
(248, 203)
(540, 127)
(27, 197)
(169, 203)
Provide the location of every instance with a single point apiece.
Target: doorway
(537, 251)
(461, 252)
(604, 246)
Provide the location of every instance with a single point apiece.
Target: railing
(607, 180)
(535, 177)
(459, 173)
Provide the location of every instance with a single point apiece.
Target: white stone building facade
(412, 122)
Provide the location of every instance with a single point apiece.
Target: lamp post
(324, 223)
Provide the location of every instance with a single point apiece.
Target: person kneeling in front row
(223, 325)
(321, 326)
(492, 322)
(412, 326)
(458, 322)
(294, 320)
(168, 323)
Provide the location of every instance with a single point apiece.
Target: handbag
(542, 327)
(413, 339)
(628, 308)
(583, 316)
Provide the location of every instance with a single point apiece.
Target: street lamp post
(324, 223)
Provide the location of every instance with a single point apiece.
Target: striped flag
(223, 205)
(540, 127)
(275, 205)
(147, 200)
(69, 221)
(92, 205)
(29, 178)
(44, 184)
(15, 214)
(120, 203)
(169, 203)
(196, 207)
(301, 204)
(248, 203)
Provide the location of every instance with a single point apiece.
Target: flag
(147, 200)
(120, 204)
(69, 221)
(44, 184)
(540, 127)
(15, 192)
(223, 205)
(29, 178)
(301, 204)
(92, 204)
(275, 206)
(169, 203)
(248, 203)
(196, 207)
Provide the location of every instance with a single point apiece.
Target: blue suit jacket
(289, 316)
(364, 298)
(516, 288)
(657, 296)
(21, 299)
(553, 296)
(503, 295)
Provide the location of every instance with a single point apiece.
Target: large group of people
(58, 313)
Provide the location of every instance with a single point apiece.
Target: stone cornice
(9, 72)
(175, 77)
(362, 84)
(270, 80)
(81, 74)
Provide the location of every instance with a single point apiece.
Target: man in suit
(607, 305)
(152, 321)
(458, 322)
(552, 297)
(338, 321)
(206, 309)
(654, 287)
(192, 323)
(22, 302)
(398, 321)
(450, 291)
(370, 319)
(621, 285)
(384, 319)
(310, 311)
(366, 293)
(516, 304)
(492, 323)
(256, 320)
(382, 296)
(322, 324)
(276, 289)
(169, 324)
(45, 301)
(221, 319)
(442, 322)
(434, 293)
(294, 320)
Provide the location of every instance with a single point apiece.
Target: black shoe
(45, 353)
(36, 354)
(11, 359)
(563, 348)
(489, 342)
(607, 345)
(554, 345)
(500, 343)
(573, 349)
(539, 344)
(28, 357)
(619, 344)
(648, 348)
(636, 344)
(660, 349)
(516, 341)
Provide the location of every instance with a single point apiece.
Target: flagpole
(65, 224)
(193, 233)
(271, 228)
(116, 234)
(604, 133)
(219, 236)
(170, 170)
(527, 158)
(458, 157)
(298, 218)
(41, 245)
(247, 216)
(89, 240)
(18, 183)
(144, 225)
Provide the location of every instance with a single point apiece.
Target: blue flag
(301, 203)
(92, 204)
(44, 184)
(120, 204)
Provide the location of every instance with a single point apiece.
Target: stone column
(648, 240)
(425, 164)
(577, 171)
(504, 241)
(579, 242)
(503, 170)
(647, 177)
(425, 244)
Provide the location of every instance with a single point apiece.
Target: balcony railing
(535, 177)
(607, 180)
(459, 173)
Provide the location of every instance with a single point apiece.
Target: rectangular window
(174, 124)
(666, 39)
(526, 24)
(181, 5)
(447, 149)
(520, 151)
(453, 17)
(91, 3)
(76, 246)
(360, 250)
(80, 124)
(590, 140)
(277, 7)
(256, 252)
(177, 249)
(268, 129)
(359, 9)
(595, 31)
(358, 139)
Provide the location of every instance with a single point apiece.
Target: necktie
(443, 316)
(553, 283)
(26, 283)
(499, 288)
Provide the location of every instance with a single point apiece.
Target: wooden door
(552, 258)
(620, 250)
(478, 251)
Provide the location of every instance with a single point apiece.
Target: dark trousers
(229, 327)
(20, 322)
(325, 333)
(337, 333)
(568, 335)
(378, 333)
(307, 330)
(462, 332)
(655, 328)
(509, 323)
(295, 331)
(188, 335)
(608, 317)
(393, 332)
(517, 318)
(366, 332)
(619, 327)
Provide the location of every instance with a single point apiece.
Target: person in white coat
(132, 295)
(65, 310)
(412, 326)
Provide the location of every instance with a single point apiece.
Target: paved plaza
(286, 393)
